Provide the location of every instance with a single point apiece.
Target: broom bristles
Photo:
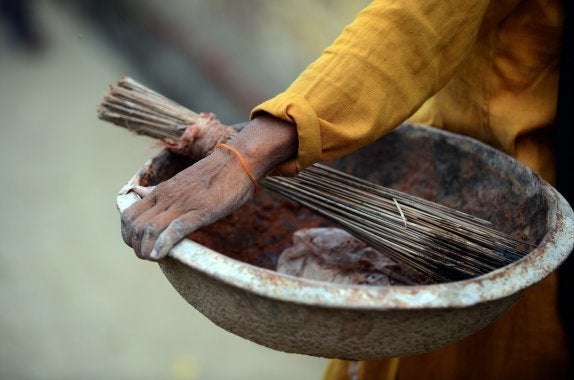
(143, 111)
(440, 242)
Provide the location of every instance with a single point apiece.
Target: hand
(195, 197)
(206, 191)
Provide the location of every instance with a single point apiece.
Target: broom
(441, 243)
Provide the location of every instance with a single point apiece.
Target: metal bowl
(244, 295)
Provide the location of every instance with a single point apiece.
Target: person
(485, 69)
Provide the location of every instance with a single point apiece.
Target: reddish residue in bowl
(260, 230)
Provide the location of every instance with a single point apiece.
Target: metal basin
(229, 277)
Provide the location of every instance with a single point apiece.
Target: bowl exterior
(315, 330)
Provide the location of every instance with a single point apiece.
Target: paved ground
(74, 302)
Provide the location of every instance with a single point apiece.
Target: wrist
(265, 143)
(242, 161)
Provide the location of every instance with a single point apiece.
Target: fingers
(131, 214)
(143, 231)
(176, 231)
(150, 233)
(153, 232)
(146, 226)
(143, 191)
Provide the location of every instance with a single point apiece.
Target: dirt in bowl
(259, 231)
(271, 230)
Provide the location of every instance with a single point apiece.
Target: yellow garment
(493, 68)
(484, 69)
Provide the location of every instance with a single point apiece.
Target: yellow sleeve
(378, 72)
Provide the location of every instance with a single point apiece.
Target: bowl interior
(449, 169)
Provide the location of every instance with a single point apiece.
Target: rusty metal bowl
(244, 295)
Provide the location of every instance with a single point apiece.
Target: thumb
(143, 191)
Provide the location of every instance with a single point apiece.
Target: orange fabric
(527, 343)
(484, 69)
(508, 84)
(491, 66)
(366, 370)
(367, 83)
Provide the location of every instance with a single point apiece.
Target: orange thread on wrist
(243, 163)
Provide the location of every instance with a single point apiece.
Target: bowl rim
(555, 246)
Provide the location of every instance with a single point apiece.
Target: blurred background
(75, 303)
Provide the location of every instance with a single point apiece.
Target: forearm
(393, 57)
